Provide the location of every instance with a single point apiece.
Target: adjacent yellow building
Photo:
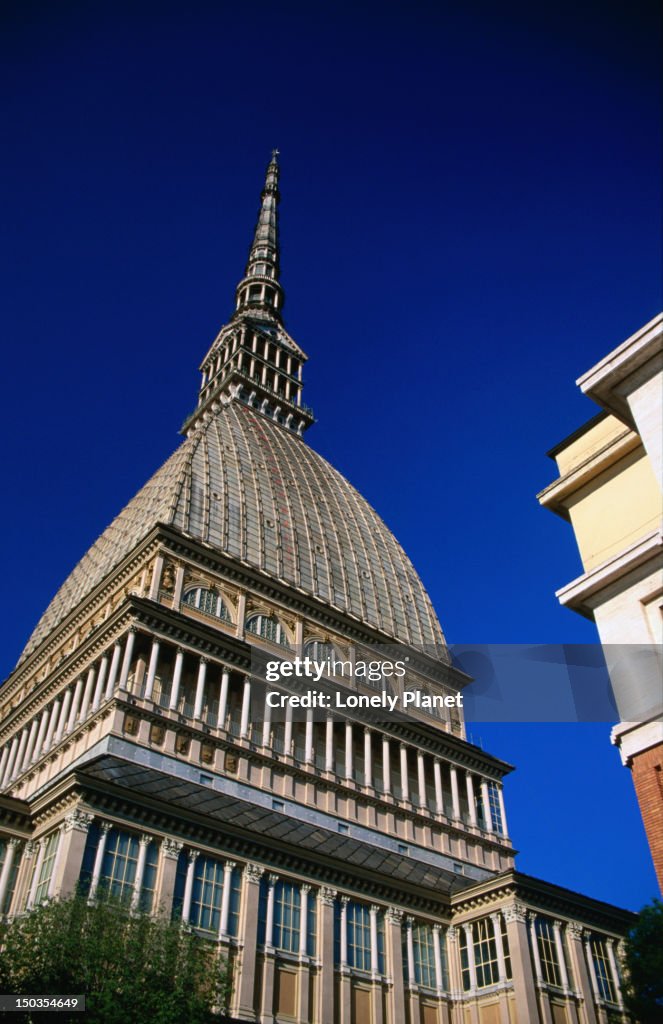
(610, 489)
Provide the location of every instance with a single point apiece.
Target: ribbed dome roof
(256, 492)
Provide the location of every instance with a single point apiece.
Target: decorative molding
(171, 848)
(394, 915)
(327, 895)
(515, 911)
(78, 820)
(253, 873)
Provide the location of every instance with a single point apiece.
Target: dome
(259, 494)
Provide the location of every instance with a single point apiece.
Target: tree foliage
(643, 966)
(130, 966)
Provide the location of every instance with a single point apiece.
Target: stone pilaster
(524, 989)
(326, 898)
(245, 999)
(168, 856)
(581, 975)
(394, 950)
(70, 854)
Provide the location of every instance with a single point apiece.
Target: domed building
(351, 867)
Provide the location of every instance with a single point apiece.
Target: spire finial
(259, 292)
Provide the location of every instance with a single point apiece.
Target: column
(55, 712)
(179, 586)
(67, 866)
(64, 714)
(439, 795)
(472, 807)
(112, 675)
(325, 952)
(228, 869)
(10, 762)
(616, 980)
(12, 846)
(329, 744)
(42, 731)
(31, 742)
(535, 948)
(515, 915)
(188, 885)
(99, 858)
(499, 946)
(421, 779)
(344, 932)
(485, 800)
(287, 731)
(269, 915)
(143, 844)
(309, 753)
(155, 583)
(5, 755)
(101, 679)
(200, 689)
(126, 661)
(247, 975)
(386, 765)
(375, 959)
(561, 959)
(455, 796)
(177, 679)
(25, 732)
(437, 955)
(303, 920)
(500, 797)
(348, 750)
(87, 695)
(151, 670)
(34, 885)
(368, 758)
(471, 963)
(267, 724)
(394, 918)
(73, 711)
(409, 941)
(405, 782)
(580, 969)
(223, 698)
(246, 710)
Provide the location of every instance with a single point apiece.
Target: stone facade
(350, 871)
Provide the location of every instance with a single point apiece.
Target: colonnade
(390, 766)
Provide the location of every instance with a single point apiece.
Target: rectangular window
(485, 953)
(358, 937)
(545, 938)
(604, 978)
(205, 912)
(424, 955)
(495, 808)
(47, 866)
(286, 917)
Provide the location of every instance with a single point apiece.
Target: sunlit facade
(351, 872)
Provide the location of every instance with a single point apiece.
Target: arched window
(268, 627)
(319, 650)
(208, 601)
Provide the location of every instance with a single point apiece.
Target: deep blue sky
(470, 219)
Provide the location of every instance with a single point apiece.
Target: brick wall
(647, 769)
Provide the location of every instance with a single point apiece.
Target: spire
(253, 359)
(259, 293)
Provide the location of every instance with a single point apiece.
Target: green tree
(131, 967)
(643, 966)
